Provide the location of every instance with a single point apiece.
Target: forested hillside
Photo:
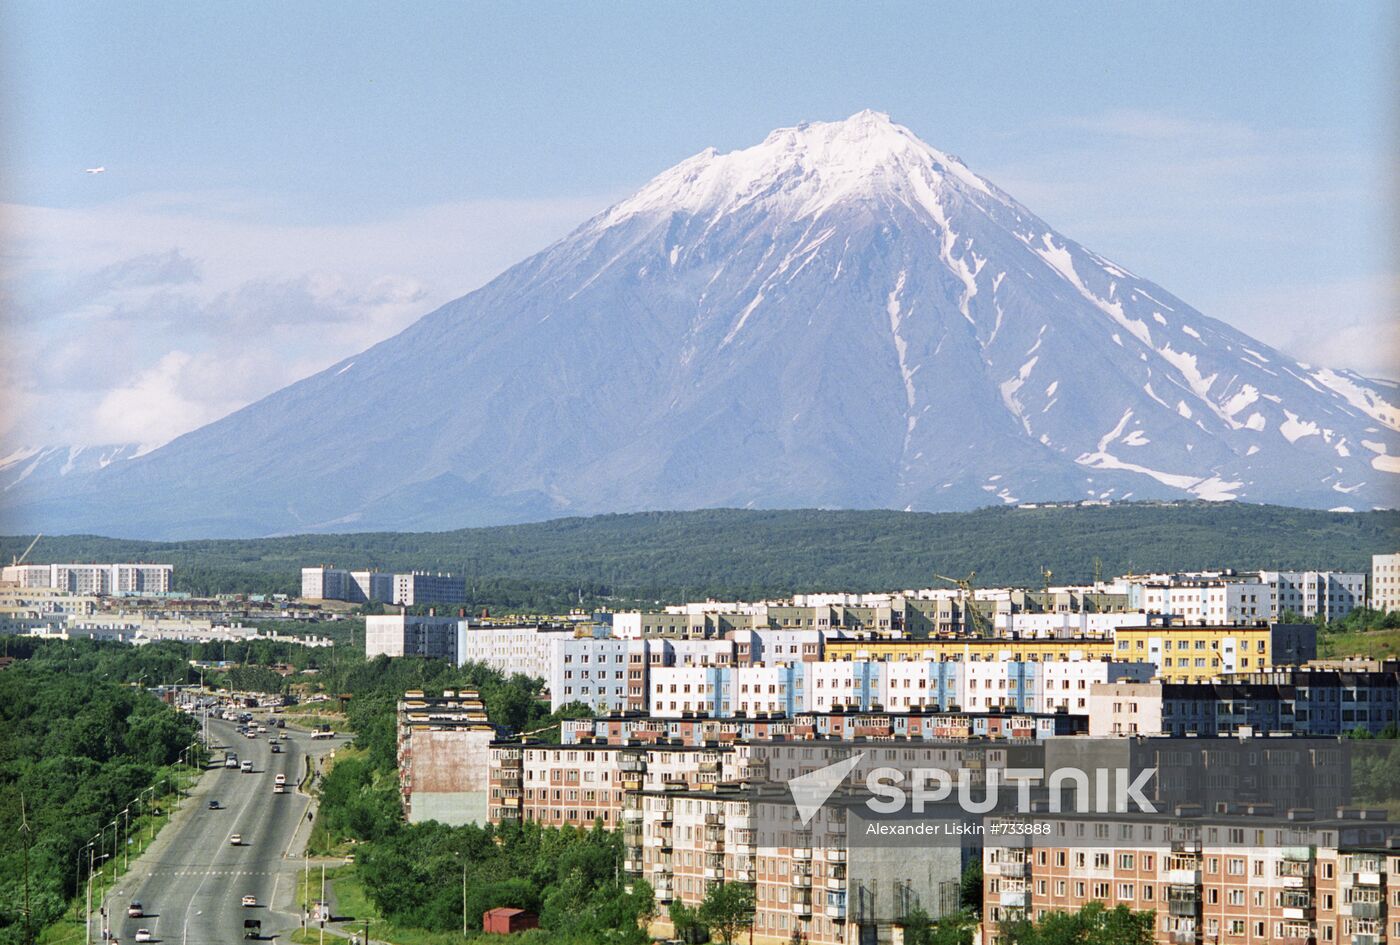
(724, 552)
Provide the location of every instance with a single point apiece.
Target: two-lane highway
(193, 881)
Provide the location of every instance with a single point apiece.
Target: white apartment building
(356, 587)
(1064, 624)
(1205, 600)
(847, 684)
(424, 589)
(588, 670)
(527, 651)
(404, 635)
(1317, 595)
(1069, 684)
(677, 691)
(94, 579)
(1385, 582)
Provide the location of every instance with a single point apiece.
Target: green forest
(730, 552)
(77, 747)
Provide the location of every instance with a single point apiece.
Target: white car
(236, 840)
(135, 911)
(143, 935)
(250, 900)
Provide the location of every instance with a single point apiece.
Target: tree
(728, 909)
(686, 922)
(1092, 925)
(956, 929)
(970, 886)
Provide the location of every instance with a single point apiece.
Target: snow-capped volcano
(840, 316)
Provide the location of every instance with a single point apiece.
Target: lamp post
(126, 847)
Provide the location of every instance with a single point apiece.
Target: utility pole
(87, 914)
(323, 904)
(464, 901)
(126, 847)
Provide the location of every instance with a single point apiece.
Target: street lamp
(126, 847)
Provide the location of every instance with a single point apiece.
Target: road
(192, 880)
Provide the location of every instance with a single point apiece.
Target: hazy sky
(288, 183)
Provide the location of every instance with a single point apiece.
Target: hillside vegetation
(726, 552)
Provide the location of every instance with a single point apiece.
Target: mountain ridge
(840, 316)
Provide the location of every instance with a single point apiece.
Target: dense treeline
(77, 747)
(569, 877)
(728, 552)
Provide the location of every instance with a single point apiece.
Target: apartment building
(406, 635)
(444, 757)
(1220, 600)
(1296, 701)
(580, 785)
(93, 579)
(590, 670)
(1188, 652)
(971, 650)
(1385, 582)
(917, 724)
(1248, 878)
(725, 691)
(1316, 595)
(429, 589)
(511, 650)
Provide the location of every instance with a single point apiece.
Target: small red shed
(505, 921)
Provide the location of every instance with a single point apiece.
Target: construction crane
(20, 560)
(973, 616)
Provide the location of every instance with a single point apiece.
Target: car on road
(250, 901)
(283, 735)
(276, 748)
(279, 789)
(135, 911)
(213, 805)
(235, 840)
(143, 935)
(231, 760)
(247, 767)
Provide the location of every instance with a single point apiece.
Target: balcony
(1299, 853)
(632, 866)
(835, 856)
(1018, 869)
(1015, 898)
(1184, 934)
(802, 909)
(714, 820)
(714, 834)
(1183, 877)
(802, 853)
(1294, 873)
(631, 784)
(801, 881)
(632, 814)
(1364, 910)
(836, 912)
(835, 884)
(745, 876)
(714, 873)
(1186, 846)
(1365, 938)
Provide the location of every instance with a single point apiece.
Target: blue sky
(315, 176)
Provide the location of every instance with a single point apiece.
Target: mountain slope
(841, 316)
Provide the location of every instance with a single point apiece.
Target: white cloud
(140, 320)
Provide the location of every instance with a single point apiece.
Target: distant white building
(94, 579)
(406, 635)
(1385, 582)
(356, 587)
(522, 650)
(590, 670)
(1320, 595)
(423, 589)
